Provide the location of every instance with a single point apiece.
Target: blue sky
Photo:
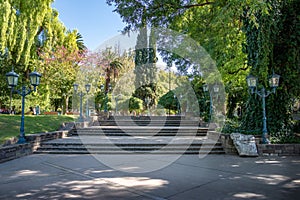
(94, 19)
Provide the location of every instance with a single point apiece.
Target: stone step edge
(131, 144)
(135, 135)
(129, 153)
(132, 147)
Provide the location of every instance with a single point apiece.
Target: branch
(197, 5)
(162, 6)
(238, 70)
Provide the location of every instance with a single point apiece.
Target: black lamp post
(252, 84)
(12, 80)
(81, 94)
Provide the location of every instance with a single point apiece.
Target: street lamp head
(35, 78)
(147, 100)
(75, 86)
(12, 78)
(216, 88)
(88, 87)
(251, 81)
(205, 88)
(274, 81)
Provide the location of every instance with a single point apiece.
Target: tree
(60, 68)
(145, 66)
(240, 36)
(135, 104)
(272, 46)
(169, 102)
(19, 27)
(32, 37)
(80, 44)
(107, 66)
(216, 25)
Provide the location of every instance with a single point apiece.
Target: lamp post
(10, 100)
(117, 99)
(81, 94)
(12, 79)
(87, 89)
(206, 90)
(252, 84)
(147, 101)
(106, 90)
(178, 103)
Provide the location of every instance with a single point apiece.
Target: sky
(99, 26)
(93, 19)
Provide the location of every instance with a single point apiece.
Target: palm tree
(80, 43)
(113, 67)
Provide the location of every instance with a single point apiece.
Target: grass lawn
(10, 124)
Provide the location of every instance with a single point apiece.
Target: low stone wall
(227, 144)
(14, 151)
(279, 149)
(34, 141)
(263, 149)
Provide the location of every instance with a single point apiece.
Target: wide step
(124, 145)
(131, 135)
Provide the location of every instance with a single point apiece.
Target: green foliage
(145, 66)
(216, 26)
(296, 127)
(32, 36)
(233, 125)
(202, 97)
(135, 104)
(60, 68)
(272, 47)
(284, 139)
(168, 101)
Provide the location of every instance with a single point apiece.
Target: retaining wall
(263, 149)
(14, 151)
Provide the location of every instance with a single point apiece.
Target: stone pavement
(189, 177)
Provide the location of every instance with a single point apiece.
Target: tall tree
(60, 68)
(219, 27)
(19, 25)
(145, 66)
(30, 34)
(215, 25)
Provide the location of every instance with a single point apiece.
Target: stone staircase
(132, 135)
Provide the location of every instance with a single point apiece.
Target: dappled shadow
(214, 177)
(92, 189)
(70, 184)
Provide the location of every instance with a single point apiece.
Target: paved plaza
(189, 177)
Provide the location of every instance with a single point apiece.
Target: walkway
(212, 177)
